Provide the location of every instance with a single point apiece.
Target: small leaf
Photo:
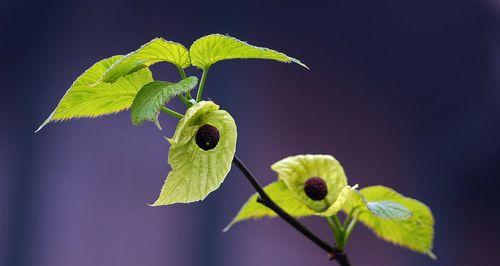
(281, 195)
(213, 48)
(395, 218)
(154, 95)
(197, 172)
(155, 51)
(296, 170)
(88, 97)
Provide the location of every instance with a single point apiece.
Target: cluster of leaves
(391, 216)
(121, 82)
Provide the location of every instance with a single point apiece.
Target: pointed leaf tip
(89, 97)
(213, 48)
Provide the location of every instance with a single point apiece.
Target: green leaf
(281, 195)
(196, 172)
(213, 48)
(157, 50)
(296, 170)
(384, 211)
(154, 95)
(88, 97)
(346, 195)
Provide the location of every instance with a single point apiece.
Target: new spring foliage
(122, 82)
(307, 185)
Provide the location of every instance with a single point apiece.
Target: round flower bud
(207, 137)
(316, 188)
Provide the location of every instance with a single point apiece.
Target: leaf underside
(155, 51)
(213, 48)
(154, 95)
(196, 172)
(89, 97)
(389, 210)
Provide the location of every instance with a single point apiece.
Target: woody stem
(333, 252)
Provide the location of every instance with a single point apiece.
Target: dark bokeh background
(403, 93)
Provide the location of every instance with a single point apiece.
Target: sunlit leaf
(196, 172)
(395, 218)
(155, 51)
(213, 48)
(88, 97)
(295, 170)
(281, 195)
(154, 95)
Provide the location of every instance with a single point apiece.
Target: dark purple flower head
(207, 137)
(316, 188)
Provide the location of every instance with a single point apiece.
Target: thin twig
(333, 252)
(172, 112)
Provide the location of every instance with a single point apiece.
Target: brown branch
(333, 252)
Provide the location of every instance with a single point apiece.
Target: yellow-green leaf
(295, 170)
(346, 195)
(197, 172)
(155, 51)
(89, 97)
(415, 231)
(281, 195)
(154, 95)
(213, 48)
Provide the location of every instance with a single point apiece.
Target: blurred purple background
(403, 93)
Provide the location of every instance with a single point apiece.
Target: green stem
(335, 230)
(338, 224)
(185, 100)
(202, 84)
(349, 218)
(172, 112)
(181, 72)
(348, 232)
(338, 231)
(183, 76)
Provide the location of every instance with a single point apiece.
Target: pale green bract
(397, 219)
(281, 195)
(288, 192)
(213, 48)
(155, 51)
(345, 195)
(88, 97)
(196, 172)
(295, 170)
(154, 95)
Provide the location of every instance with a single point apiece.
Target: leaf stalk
(183, 76)
(172, 112)
(202, 84)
